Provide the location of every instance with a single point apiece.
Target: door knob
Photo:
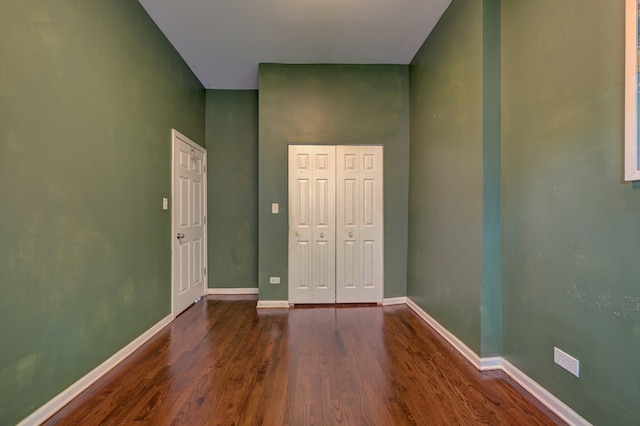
(322, 235)
(180, 236)
(350, 234)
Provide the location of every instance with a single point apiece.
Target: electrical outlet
(274, 280)
(566, 361)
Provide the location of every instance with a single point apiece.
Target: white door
(312, 273)
(335, 224)
(359, 233)
(189, 205)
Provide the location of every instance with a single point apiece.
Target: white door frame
(368, 293)
(175, 135)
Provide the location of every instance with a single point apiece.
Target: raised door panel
(311, 224)
(348, 200)
(372, 226)
(359, 224)
(335, 224)
(300, 192)
(189, 246)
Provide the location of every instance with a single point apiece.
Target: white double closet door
(335, 224)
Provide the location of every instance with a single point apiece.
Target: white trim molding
(63, 398)
(490, 363)
(273, 304)
(464, 350)
(236, 291)
(499, 363)
(561, 409)
(394, 301)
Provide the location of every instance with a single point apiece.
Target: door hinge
(205, 168)
(205, 271)
(205, 220)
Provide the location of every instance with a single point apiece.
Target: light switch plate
(275, 208)
(165, 203)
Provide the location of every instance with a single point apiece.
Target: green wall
(232, 144)
(89, 92)
(567, 272)
(570, 225)
(332, 104)
(491, 308)
(446, 192)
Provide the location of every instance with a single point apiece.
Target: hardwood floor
(223, 362)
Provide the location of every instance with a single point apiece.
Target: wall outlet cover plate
(566, 361)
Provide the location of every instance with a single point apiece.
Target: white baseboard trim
(490, 363)
(214, 291)
(464, 350)
(394, 301)
(273, 304)
(561, 409)
(63, 398)
(499, 363)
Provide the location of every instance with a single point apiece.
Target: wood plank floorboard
(222, 362)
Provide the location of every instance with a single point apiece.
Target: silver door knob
(350, 234)
(180, 236)
(322, 235)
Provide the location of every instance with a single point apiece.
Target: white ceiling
(223, 41)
